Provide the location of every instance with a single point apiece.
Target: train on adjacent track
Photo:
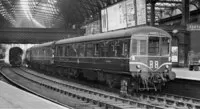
(138, 58)
(15, 56)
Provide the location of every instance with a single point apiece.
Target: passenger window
(89, 49)
(72, 50)
(105, 48)
(126, 44)
(97, 51)
(66, 50)
(119, 48)
(111, 49)
(60, 51)
(81, 49)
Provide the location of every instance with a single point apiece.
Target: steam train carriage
(139, 57)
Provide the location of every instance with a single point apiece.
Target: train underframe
(126, 82)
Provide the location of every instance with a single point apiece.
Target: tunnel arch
(15, 56)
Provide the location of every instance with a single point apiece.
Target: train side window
(44, 52)
(57, 53)
(118, 48)
(89, 49)
(125, 48)
(81, 49)
(72, 50)
(98, 52)
(49, 53)
(97, 49)
(111, 48)
(105, 48)
(60, 51)
(67, 50)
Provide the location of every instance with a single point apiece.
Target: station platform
(185, 73)
(14, 98)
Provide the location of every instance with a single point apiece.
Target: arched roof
(65, 13)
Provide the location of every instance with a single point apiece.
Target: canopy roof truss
(59, 13)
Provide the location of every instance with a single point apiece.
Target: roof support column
(185, 12)
(184, 40)
(152, 12)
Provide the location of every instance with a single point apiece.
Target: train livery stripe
(166, 63)
(140, 63)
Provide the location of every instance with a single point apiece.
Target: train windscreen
(158, 46)
(164, 47)
(154, 46)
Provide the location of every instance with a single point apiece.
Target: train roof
(115, 34)
(43, 45)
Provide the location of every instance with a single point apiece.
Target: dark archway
(15, 56)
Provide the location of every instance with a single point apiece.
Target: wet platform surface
(14, 98)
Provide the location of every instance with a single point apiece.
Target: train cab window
(154, 46)
(164, 49)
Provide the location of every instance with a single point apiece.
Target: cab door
(138, 52)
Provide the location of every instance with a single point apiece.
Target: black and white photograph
(99, 54)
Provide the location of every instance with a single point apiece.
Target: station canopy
(65, 13)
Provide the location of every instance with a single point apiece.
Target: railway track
(166, 100)
(95, 97)
(109, 100)
(170, 100)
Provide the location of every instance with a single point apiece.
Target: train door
(138, 52)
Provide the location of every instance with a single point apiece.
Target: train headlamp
(138, 66)
(167, 66)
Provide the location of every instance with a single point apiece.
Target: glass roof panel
(44, 13)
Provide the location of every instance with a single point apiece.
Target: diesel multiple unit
(138, 56)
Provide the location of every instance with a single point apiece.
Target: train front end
(150, 60)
